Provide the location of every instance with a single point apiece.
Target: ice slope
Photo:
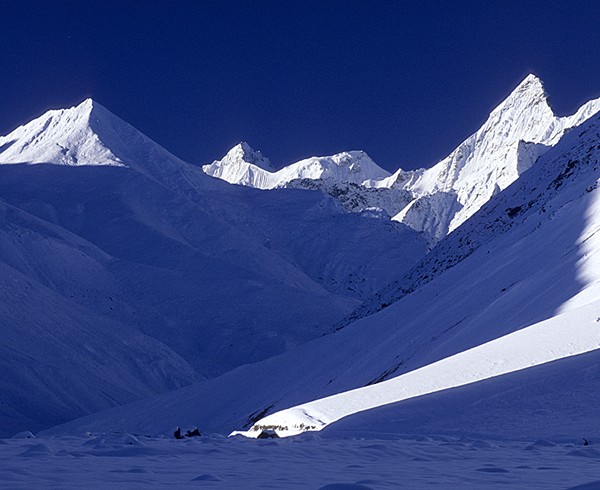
(529, 257)
(515, 134)
(210, 275)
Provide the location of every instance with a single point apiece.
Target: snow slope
(527, 261)
(132, 242)
(556, 401)
(572, 333)
(60, 359)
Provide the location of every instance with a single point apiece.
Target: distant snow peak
(244, 152)
(244, 166)
(517, 132)
(354, 167)
(360, 164)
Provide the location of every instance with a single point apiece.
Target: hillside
(108, 230)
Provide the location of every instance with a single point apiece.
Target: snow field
(312, 462)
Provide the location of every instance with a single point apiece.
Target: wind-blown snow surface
(128, 272)
(435, 200)
(526, 263)
(324, 463)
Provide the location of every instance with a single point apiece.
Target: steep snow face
(490, 159)
(61, 136)
(242, 165)
(244, 152)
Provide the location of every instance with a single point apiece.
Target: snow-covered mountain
(516, 133)
(64, 136)
(516, 286)
(435, 200)
(350, 177)
(129, 272)
(242, 166)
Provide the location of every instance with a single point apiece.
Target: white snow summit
(245, 166)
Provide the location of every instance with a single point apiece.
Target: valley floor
(309, 462)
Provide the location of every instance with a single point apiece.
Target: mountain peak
(531, 80)
(530, 89)
(87, 104)
(243, 152)
(84, 109)
(88, 134)
(62, 136)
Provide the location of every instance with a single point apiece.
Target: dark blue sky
(405, 81)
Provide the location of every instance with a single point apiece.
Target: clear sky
(406, 81)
